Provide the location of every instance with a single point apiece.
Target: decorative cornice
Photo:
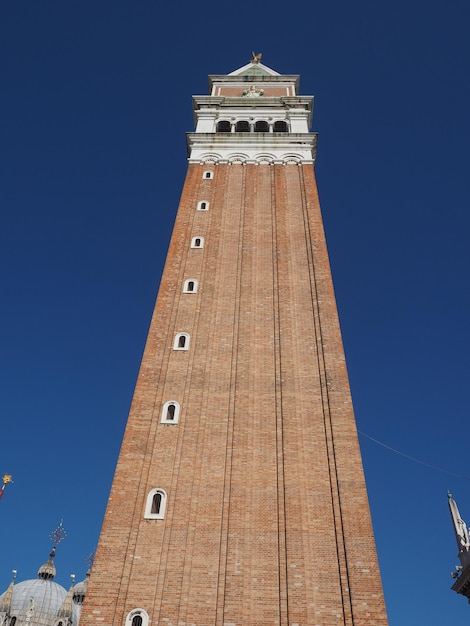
(245, 159)
(252, 147)
(288, 102)
(250, 78)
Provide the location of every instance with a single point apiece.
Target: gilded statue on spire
(5, 480)
(256, 58)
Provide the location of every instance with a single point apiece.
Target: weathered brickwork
(267, 520)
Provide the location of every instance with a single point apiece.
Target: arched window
(224, 126)
(197, 242)
(243, 126)
(261, 127)
(13, 621)
(181, 342)
(190, 285)
(137, 617)
(203, 205)
(280, 126)
(208, 174)
(156, 504)
(170, 412)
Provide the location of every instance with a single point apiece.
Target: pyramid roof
(254, 69)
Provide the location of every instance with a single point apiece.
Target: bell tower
(239, 496)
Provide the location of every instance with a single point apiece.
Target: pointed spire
(461, 532)
(65, 610)
(82, 587)
(5, 604)
(47, 570)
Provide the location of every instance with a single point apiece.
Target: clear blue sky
(96, 98)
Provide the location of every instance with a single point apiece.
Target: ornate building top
(253, 115)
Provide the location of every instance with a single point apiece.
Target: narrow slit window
(170, 412)
(203, 205)
(208, 174)
(197, 242)
(181, 342)
(190, 285)
(156, 504)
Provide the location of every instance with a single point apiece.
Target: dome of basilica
(42, 602)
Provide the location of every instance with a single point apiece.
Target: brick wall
(267, 521)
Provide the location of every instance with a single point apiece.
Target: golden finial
(6, 478)
(256, 58)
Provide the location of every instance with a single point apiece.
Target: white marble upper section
(251, 113)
